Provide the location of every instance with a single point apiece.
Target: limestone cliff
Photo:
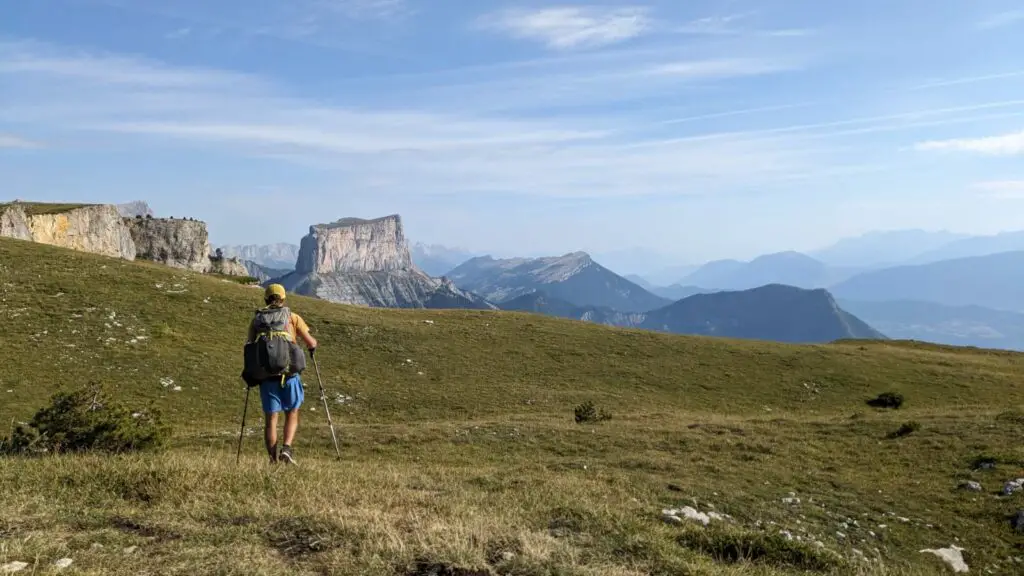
(89, 228)
(14, 223)
(176, 243)
(367, 263)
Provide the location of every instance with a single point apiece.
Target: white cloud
(1005, 145)
(723, 68)
(1002, 19)
(10, 141)
(1001, 189)
(569, 27)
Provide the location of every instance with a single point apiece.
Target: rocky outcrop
(176, 243)
(367, 263)
(227, 266)
(98, 229)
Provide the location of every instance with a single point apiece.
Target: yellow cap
(274, 290)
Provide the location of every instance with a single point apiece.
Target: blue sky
(697, 129)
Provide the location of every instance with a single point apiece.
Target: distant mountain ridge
(774, 312)
(575, 278)
(438, 260)
(942, 324)
(789, 268)
(994, 281)
(279, 256)
(883, 248)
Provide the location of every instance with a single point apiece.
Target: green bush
(887, 400)
(87, 420)
(905, 429)
(587, 412)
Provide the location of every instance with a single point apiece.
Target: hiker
(284, 392)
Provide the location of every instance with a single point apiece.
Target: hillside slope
(772, 312)
(574, 278)
(460, 447)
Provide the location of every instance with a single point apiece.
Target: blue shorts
(278, 398)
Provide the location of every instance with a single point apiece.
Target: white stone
(952, 556)
(1013, 486)
(63, 563)
(12, 567)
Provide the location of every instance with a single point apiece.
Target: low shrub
(86, 420)
(892, 400)
(588, 413)
(905, 429)
(734, 547)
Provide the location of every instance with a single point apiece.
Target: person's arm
(302, 329)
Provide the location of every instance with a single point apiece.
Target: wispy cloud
(1002, 19)
(721, 68)
(570, 26)
(1001, 189)
(402, 151)
(178, 34)
(1005, 145)
(11, 141)
(715, 25)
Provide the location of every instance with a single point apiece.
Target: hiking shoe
(286, 455)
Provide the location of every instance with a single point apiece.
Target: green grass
(460, 444)
(41, 208)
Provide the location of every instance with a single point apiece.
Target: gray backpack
(272, 354)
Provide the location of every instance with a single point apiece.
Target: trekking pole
(238, 456)
(323, 397)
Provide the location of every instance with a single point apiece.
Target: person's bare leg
(291, 425)
(270, 433)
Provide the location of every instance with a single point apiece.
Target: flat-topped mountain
(773, 312)
(367, 263)
(574, 278)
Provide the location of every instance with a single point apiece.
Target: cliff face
(14, 223)
(355, 245)
(367, 263)
(176, 243)
(94, 228)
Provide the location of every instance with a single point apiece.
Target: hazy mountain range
(934, 286)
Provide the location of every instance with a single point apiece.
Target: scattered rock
(952, 556)
(63, 563)
(1013, 486)
(671, 519)
(12, 567)
(130, 550)
(687, 513)
(971, 486)
(96, 546)
(791, 500)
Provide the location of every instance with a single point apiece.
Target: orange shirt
(295, 327)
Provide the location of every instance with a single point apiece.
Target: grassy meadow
(460, 452)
